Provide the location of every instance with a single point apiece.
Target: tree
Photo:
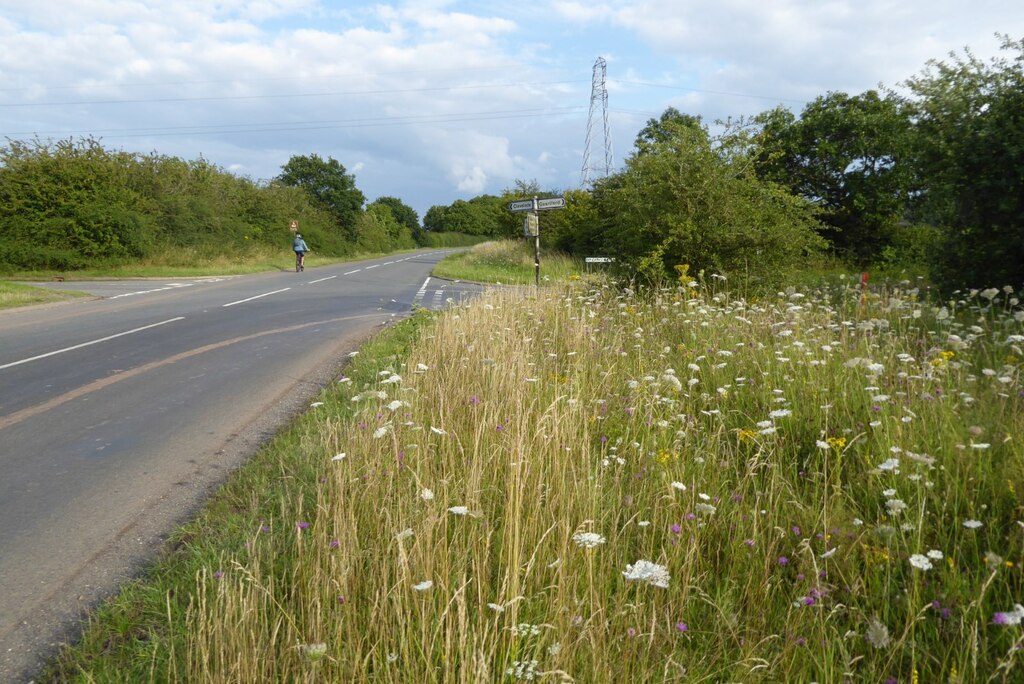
(664, 127)
(848, 155)
(969, 143)
(686, 199)
(403, 214)
(329, 186)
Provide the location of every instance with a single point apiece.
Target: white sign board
(521, 205)
(599, 260)
(551, 203)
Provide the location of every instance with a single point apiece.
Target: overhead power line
(219, 129)
(269, 96)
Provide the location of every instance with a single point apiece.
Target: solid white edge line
(86, 344)
(312, 282)
(265, 294)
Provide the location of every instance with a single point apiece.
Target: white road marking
(87, 344)
(312, 282)
(265, 294)
(351, 272)
(374, 266)
(172, 286)
(387, 263)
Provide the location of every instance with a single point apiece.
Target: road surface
(119, 414)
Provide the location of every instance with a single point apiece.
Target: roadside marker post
(531, 225)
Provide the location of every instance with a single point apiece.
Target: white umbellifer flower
(554, 649)
(889, 492)
(857, 522)
(392, 380)
(423, 586)
(404, 534)
(646, 571)
(644, 523)
(704, 497)
(764, 423)
(935, 554)
(890, 464)
(989, 293)
(396, 404)
(972, 524)
(422, 368)
(822, 445)
(381, 431)
(427, 494)
(780, 413)
(704, 508)
(980, 445)
(895, 506)
(458, 510)
(679, 485)
(588, 540)
(339, 457)
(314, 651)
(921, 562)
(829, 553)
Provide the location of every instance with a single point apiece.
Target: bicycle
(300, 261)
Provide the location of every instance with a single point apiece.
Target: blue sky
(434, 100)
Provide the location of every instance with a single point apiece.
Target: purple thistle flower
(682, 627)
(676, 528)
(783, 561)
(335, 543)
(302, 525)
(218, 574)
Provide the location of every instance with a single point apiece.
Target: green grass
(780, 468)
(510, 262)
(14, 295)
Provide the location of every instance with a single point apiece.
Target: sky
(436, 100)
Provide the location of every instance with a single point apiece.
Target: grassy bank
(509, 262)
(13, 295)
(588, 485)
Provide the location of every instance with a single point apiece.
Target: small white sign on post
(294, 226)
(531, 225)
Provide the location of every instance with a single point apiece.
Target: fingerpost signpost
(531, 224)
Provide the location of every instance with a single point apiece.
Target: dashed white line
(312, 282)
(374, 266)
(351, 272)
(87, 344)
(265, 294)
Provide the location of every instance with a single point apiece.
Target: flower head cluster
(588, 540)
(646, 571)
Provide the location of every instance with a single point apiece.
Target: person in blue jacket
(300, 248)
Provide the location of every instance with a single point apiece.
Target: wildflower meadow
(584, 483)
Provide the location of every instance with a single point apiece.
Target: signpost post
(531, 226)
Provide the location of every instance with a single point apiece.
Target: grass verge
(592, 484)
(15, 294)
(509, 262)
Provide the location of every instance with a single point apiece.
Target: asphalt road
(119, 414)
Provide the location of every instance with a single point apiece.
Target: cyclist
(300, 248)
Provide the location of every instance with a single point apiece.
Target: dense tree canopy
(330, 187)
(969, 145)
(848, 155)
(687, 198)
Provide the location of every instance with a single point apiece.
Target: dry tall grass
(759, 481)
